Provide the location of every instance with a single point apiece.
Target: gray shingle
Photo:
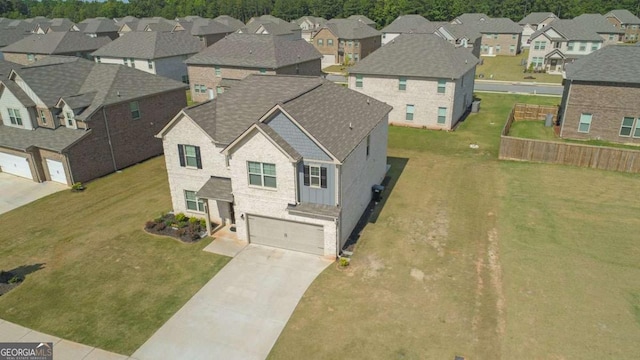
(597, 23)
(256, 51)
(536, 18)
(624, 16)
(570, 30)
(216, 188)
(273, 25)
(44, 138)
(405, 24)
(234, 24)
(316, 20)
(609, 64)
(151, 45)
(351, 29)
(362, 19)
(421, 55)
(97, 25)
(57, 43)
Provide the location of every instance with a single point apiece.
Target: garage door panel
(15, 165)
(56, 171)
(286, 234)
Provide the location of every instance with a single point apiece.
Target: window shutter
(323, 177)
(181, 154)
(306, 175)
(198, 159)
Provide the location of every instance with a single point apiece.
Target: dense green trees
(382, 11)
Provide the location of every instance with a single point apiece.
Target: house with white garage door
(68, 120)
(289, 160)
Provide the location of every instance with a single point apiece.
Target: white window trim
(187, 157)
(262, 176)
(580, 123)
(318, 176)
(631, 128)
(197, 200)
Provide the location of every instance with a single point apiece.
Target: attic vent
(118, 93)
(250, 51)
(350, 126)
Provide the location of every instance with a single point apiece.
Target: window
(31, 57)
(514, 36)
(320, 42)
(512, 49)
(402, 83)
(636, 129)
(199, 89)
(329, 42)
(556, 44)
(218, 71)
(498, 47)
(583, 46)
(356, 57)
(570, 46)
(192, 201)
(611, 37)
(634, 26)
(98, 60)
(263, 71)
(409, 112)
(150, 64)
(442, 115)
(219, 90)
(594, 47)
(359, 81)
(262, 174)
(442, 86)
(350, 43)
(69, 117)
(488, 36)
(627, 126)
(135, 110)
(539, 45)
(495, 36)
(368, 145)
(124, 61)
(132, 62)
(356, 43)
(190, 156)
(585, 123)
(14, 116)
(43, 117)
(315, 176)
(185, 79)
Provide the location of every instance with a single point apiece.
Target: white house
(532, 23)
(289, 160)
(427, 80)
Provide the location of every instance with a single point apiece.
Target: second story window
(190, 156)
(263, 71)
(150, 64)
(262, 174)
(583, 46)
(199, 89)
(132, 62)
(402, 83)
(14, 117)
(442, 86)
(320, 42)
(69, 116)
(218, 71)
(124, 61)
(359, 81)
(135, 110)
(98, 60)
(43, 117)
(329, 42)
(31, 57)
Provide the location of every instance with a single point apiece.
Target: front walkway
(62, 349)
(240, 313)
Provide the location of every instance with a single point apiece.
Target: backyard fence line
(533, 112)
(552, 152)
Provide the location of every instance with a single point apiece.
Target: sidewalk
(509, 82)
(62, 349)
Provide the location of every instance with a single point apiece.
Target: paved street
(518, 87)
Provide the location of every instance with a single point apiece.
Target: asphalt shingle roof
(312, 19)
(201, 26)
(597, 23)
(363, 19)
(536, 18)
(97, 25)
(609, 64)
(624, 16)
(272, 25)
(423, 55)
(351, 29)
(322, 108)
(233, 23)
(55, 140)
(570, 30)
(151, 45)
(405, 24)
(216, 188)
(57, 43)
(256, 51)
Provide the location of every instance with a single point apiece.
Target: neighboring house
(289, 160)
(10, 32)
(500, 36)
(363, 19)
(597, 23)
(430, 85)
(404, 24)
(625, 20)
(75, 120)
(345, 41)
(145, 24)
(532, 23)
(233, 58)
(156, 52)
(233, 23)
(55, 25)
(271, 25)
(563, 41)
(310, 25)
(208, 31)
(100, 26)
(36, 47)
(600, 99)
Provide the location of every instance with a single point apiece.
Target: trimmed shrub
(344, 262)
(193, 220)
(150, 224)
(180, 217)
(203, 223)
(161, 226)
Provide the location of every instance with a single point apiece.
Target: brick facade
(359, 48)
(500, 44)
(631, 31)
(608, 104)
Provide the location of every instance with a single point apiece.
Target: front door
(490, 50)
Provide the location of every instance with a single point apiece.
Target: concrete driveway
(17, 191)
(240, 313)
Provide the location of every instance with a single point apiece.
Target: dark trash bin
(377, 192)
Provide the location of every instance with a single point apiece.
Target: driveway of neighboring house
(240, 313)
(17, 191)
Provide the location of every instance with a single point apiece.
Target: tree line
(381, 11)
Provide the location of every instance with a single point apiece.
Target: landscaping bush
(161, 226)
(150, 224)
(193, 220)
(180, 217)
(203, 223)
(344, 262)
(187, 229)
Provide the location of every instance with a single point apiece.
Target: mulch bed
(8, 281)
(178, 227)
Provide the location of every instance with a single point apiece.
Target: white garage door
(15, 165)
(286, 234)
(328, 60)
(56, 170)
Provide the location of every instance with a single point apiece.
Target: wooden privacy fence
(533, 112)
(552, 152)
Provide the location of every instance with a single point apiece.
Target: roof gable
(151, 45)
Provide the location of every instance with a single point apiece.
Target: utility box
(548, 120)
(376, 192)
(475, 106)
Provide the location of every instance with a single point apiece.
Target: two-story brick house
(625, 20)
(156, 52)
(233, 58)
(532, 23)
(271, 25)
(208, 31)
(346, 41)
(289, 160)
(600, 99)
(36, 47)
(310, 25)
(500, 36)
(430, 85)
(72, 120)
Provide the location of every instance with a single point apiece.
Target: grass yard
(509, 68)
(103, 281)
(532, 129)
(342, 69)
(480, 258)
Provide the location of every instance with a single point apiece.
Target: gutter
(564, 111)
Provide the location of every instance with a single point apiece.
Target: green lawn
(343, 69)
(104, 282)
(532, 130)
(509, 68)
(485, 259)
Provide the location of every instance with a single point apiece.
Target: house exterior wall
(563, 46)
(358, 48)
(631, 31)
(387, 37)
(608, 104)
(501, 44)
(9, 101)
(295, 137)
(420, 92)
(206, 75)
(325, 49)
(172, 67)
(317, 195)
(186, 132)
(358, 173)
(43, 155)
(462, 96)
(20, 58)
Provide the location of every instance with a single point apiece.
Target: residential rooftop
(151, 45)
(624, 16)
(351, 29)
(609, 64)
(57, 43)
(536, 18)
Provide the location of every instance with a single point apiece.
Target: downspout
(564, 111)
(66, 160)
(106, 124)
(338, 220)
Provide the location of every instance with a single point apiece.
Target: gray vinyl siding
(296, 138)
(317, 195)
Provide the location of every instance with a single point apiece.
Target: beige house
(532, 23)
(346, 41)
(430, 85)
(625, 20)
(500, 36)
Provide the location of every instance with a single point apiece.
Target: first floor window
(135, 110)
(262, 174)
(498, 48)
(442, 115)
(636, 129)
(512, 49)
(193, 202)
(219, 90)
(585, 123)
(409, 112)
(190, 156)
(359, 81)
(14, 116)
(627, 126)
(199, 89)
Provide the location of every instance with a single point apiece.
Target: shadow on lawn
(373, 210)
(25, 270)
